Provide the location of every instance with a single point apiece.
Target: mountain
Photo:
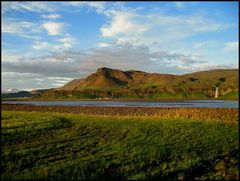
(15, 93)
(114, 83)
(109, 78)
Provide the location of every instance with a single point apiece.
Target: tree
(222, 79)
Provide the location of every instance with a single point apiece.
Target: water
(181, 103)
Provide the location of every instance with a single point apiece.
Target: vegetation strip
(230, 114)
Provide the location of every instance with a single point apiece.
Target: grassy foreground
(72, 146)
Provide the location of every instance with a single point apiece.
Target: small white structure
(216, 93)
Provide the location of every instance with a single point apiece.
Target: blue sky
(47, 44)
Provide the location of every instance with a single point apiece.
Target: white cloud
(123, 57)
(60, 78)
(181, 4)
(51, 7)
(9, 56)
(102, 44)
(210, 66)
(204, 44)
(138, 28)
(63, 43)
(34, 6)
(123, 23)
(51, 16)
(231, 46)
(30, 81)
(41, 45)
(104, 8)
(58, 84)
(16, 74)
(53, 28)
(67, 41)
(14, 27)
(47, 46)
(21, 28)
(98, 6)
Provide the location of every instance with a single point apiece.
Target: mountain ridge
(115, 83)
(106, 77)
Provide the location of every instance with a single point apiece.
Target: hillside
(113, 83)
(112, 78)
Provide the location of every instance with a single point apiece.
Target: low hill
(23, 94)
(17, 94)
(114, 83)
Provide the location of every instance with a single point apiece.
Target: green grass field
(67, 146)
(231, 95)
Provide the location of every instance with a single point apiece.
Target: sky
(47, 44)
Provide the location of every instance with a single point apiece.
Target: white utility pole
(216, 93)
